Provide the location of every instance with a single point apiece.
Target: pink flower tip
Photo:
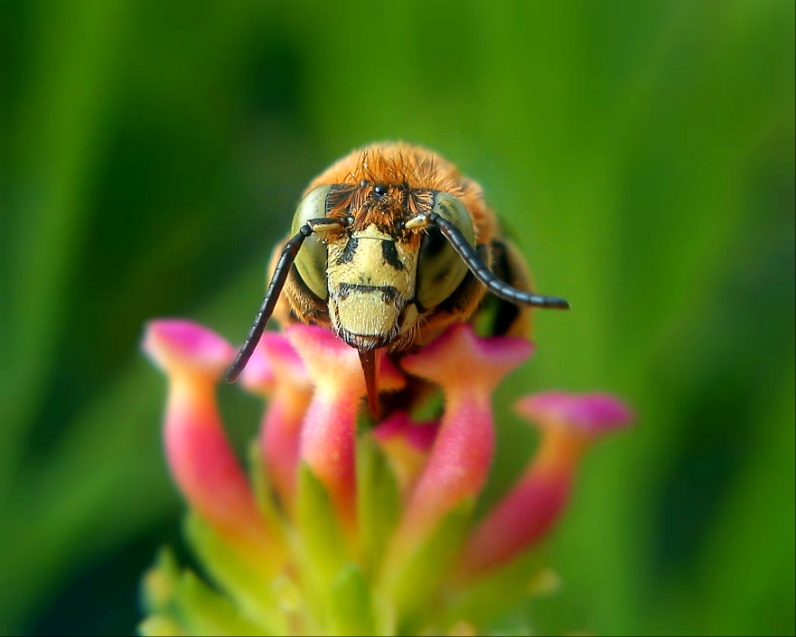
(258, 373)
(330, 361)
(400, 426)
(591, 414)
(315, 335)
(460, 360)
(274, 358)
(175, 345)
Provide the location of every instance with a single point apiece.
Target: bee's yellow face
(377, 277)
(371, 283)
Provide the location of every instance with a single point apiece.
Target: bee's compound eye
(440, 269)
(311, 259)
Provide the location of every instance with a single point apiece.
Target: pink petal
(407, 444)
(520, 519)
(390, 377)
(467, 368)
(176, 345)
(400, 426)
(199, 455)
(280, 374)
(259, 376)
(327, 435)
(569, 423)
(460, 360)
(591, 414)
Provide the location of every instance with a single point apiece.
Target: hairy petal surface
(568, 423)
(198, 452)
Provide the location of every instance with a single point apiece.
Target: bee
(388, 247)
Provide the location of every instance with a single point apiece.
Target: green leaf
(179, 603)
(498, 593)
(159, 583)
(323, 547)
(378, 501)
(264, 492)
(248, 586)
(412, 587)
(350, 603)
(206, 612)
(160, 626)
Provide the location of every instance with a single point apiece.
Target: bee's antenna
(281, 271)
(481, 272)
(269, 302)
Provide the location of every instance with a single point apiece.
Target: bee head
(376, 275)
(384, 239)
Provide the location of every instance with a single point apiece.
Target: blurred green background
(640, 153)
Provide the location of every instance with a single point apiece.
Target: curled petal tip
(329, 361)
(407, 444)
(390, 377)
(463, 358)
(569, 422)
(400, 426)
(258, 373)
(278, 349)
(316, 335)
(273, 358)
(590, 414)
(200, 458)
(463, 335)
(175, 344)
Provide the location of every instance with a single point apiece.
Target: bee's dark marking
(349, 251)
(390, 254)
(388, 292)
(380, 190)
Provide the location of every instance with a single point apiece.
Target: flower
(352, 528)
